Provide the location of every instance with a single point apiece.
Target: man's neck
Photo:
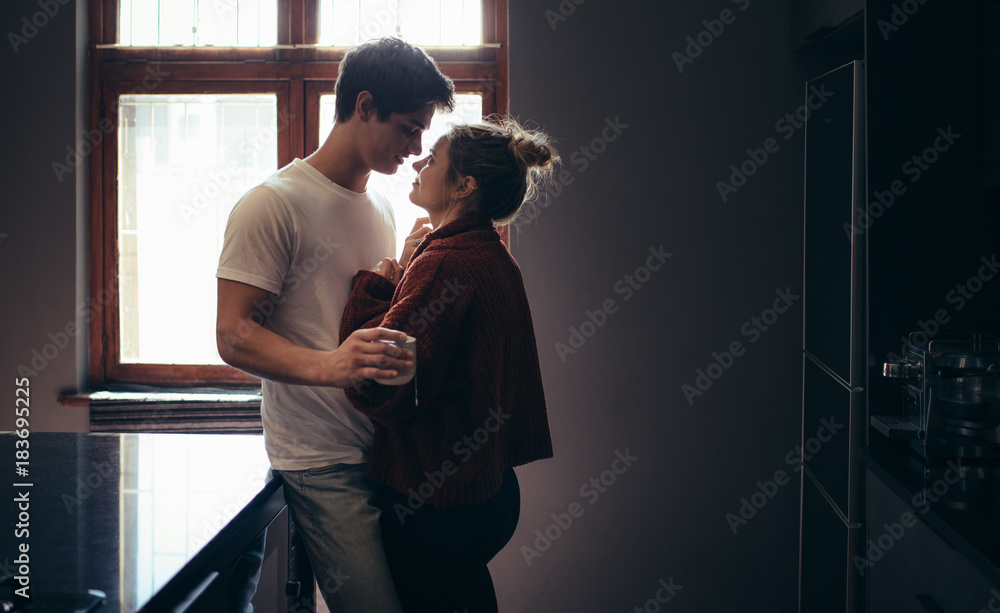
(338, 160)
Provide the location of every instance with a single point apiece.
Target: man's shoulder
(284, 182)
(263, 201)
(288, 188)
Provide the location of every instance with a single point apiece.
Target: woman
(446, 442)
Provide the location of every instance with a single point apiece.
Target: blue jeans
(336, 512)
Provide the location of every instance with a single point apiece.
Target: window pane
(244, 23)
(468, 109)
(184, 161)
(344, 23)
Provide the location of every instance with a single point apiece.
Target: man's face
(392, 141)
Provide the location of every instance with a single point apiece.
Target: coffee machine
(950, 397)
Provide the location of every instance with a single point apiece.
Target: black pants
(438, 557)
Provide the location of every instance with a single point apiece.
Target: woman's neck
(448, 216)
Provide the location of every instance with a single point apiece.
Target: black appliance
(950, 397)
(834, 365)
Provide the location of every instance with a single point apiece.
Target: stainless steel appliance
(950, 399)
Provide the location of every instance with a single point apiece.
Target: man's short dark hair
(401, 78)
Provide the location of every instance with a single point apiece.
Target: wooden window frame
(296, 70)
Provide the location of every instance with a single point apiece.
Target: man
(292, 246)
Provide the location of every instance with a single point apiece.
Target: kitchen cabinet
(917, 247)
(932, 543)
(817, 22)
(826, 585)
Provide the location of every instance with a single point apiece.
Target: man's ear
(364, 106)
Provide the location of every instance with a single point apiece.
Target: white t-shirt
(302, 238)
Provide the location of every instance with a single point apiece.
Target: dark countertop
(123, 513)
(966, 514)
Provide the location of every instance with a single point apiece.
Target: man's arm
(248, 346)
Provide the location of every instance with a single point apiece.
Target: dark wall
(655, 186)
(41, 107)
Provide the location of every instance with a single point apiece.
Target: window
(422, 22)
(199, 100)
(243, 23)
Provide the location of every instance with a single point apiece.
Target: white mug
(403, 377)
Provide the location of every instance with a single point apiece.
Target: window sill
(181, 411)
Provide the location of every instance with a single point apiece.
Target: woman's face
(431, 190)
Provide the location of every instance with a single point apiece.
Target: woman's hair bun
(531, 149)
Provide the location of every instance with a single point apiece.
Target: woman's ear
(465, 187)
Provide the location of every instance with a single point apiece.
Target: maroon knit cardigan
(480, 408)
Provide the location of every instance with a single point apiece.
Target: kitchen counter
(145, 518)
(963, 513)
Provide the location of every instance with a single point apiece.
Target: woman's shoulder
(480, 262)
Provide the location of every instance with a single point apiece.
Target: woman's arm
(371, 296)
(430, 304)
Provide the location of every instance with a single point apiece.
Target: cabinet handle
(928, 604)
